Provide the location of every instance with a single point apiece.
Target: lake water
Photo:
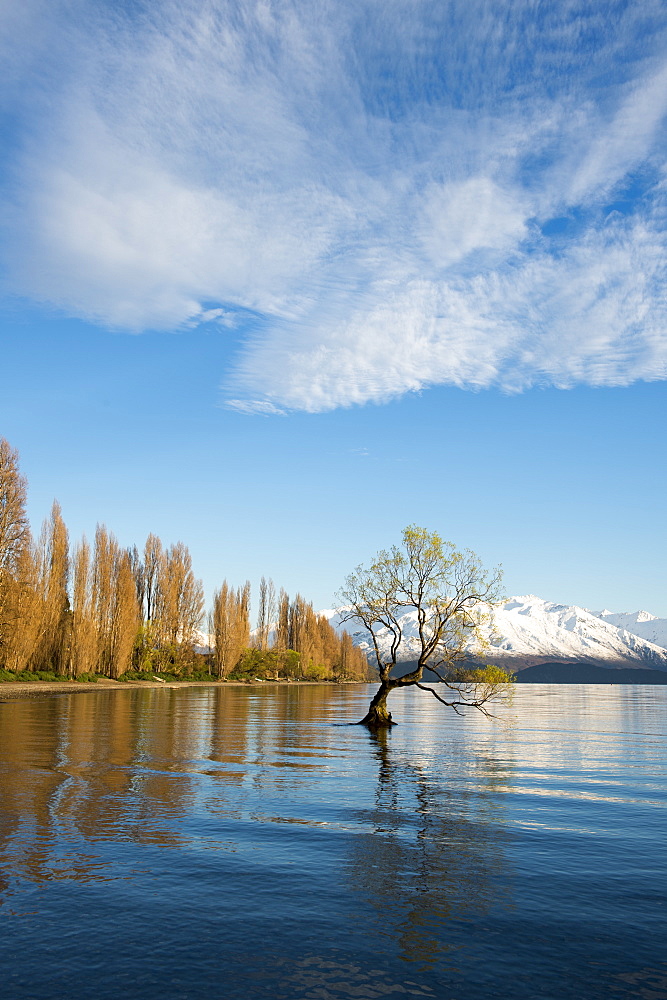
(241, 842)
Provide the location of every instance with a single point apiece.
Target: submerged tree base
(377, 720)
(378, 715)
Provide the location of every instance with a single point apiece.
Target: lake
(240, 842)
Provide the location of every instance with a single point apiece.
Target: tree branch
(479, 705)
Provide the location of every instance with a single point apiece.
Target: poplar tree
(84, 643)
(181, 597)
(116, 611)
(266, 612)
(138, 575)
(51, 651)
(283, 623)
(230, 626)
(346, 655)
(151, 570)
(126, 616)
(14, 528)
(322, 652)
(148, 573)
(296, 629)
(14, 549)
(21, 613)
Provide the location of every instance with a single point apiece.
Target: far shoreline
(12, 690)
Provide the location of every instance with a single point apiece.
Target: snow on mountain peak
(527, 630)
(640, 623)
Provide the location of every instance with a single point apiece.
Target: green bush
(136, 675)
(270, 664)
(199, 674)
(30, 675)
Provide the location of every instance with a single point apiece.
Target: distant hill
(586, 673)
(528, 631)
(567, 673)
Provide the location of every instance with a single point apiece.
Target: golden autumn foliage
(230, 627)
(76, 611)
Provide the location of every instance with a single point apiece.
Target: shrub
(136, 675)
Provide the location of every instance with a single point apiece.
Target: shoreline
(10, 690)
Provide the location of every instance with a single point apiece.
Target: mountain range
(528, 631)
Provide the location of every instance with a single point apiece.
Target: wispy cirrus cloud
(403, 195)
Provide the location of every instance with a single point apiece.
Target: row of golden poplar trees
(101, 609)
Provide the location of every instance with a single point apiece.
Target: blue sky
(279, 278)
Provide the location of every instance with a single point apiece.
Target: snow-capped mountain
(528, 630)
(537, 631)
(639, 623)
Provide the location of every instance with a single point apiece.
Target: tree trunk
(378, 715)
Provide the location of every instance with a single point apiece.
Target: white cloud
(221, 317)
(619, 146)
(588, 316)
(254, 406)
(474, 214)
(370, 187)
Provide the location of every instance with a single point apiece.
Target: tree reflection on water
(434, 861)
(72, 769)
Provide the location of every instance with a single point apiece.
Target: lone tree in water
(428, 585)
